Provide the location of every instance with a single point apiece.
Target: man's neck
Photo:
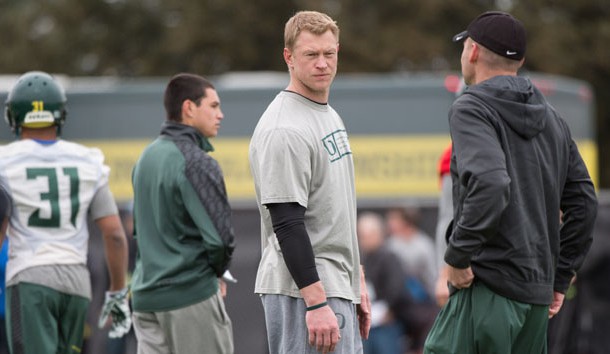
(484, 75)
(48, 133)
(316, 96)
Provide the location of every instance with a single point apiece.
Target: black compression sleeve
(288, 221)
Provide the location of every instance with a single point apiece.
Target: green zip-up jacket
(182, 222)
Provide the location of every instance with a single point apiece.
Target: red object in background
(444, 162)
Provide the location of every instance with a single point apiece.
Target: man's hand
(460, 278)
(322, 324)
(227, 277)
(556, 303)
(364, 308)
(323, 329)
(116, 306)
(223, 287)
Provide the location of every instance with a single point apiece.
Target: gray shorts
(203, 328)
(287, 331)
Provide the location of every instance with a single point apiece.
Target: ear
(187, 110)
(474, 52)
(288, 57)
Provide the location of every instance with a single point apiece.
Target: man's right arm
(289, 227)
(288, 221)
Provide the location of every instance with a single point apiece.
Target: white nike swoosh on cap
(508, 52)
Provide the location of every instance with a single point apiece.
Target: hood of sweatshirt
(518, 102)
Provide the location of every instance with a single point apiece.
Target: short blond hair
(496, 61)
(311, 21)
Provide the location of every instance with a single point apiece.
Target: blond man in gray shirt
(310, 278)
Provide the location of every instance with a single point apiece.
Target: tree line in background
(135, 38)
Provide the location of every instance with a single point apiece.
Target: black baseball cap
(499, 32)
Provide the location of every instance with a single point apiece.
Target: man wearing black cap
(515, 170)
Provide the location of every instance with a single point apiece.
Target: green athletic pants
(43, 320)
(479, 321)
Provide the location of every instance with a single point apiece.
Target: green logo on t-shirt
(337, 145)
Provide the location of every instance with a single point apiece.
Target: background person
(445, 215)
(313, 290)
(55, 185)
(414, 248)
(415, 251)
(183, 229)
(385, 282)
(514, 168)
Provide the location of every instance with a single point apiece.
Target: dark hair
(409, 215)
(180, 88)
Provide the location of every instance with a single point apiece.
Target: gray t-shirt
(300, 152)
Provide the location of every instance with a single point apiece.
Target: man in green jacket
(183, 228)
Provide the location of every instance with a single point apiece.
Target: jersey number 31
(53, 196)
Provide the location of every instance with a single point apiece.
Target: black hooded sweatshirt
(514, 167)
